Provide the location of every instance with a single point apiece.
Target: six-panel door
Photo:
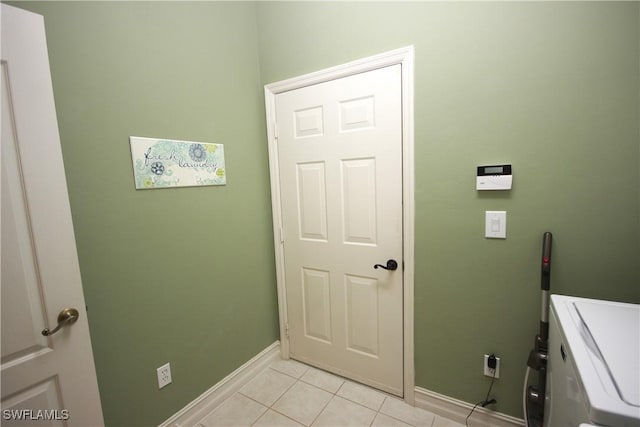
(340, 162)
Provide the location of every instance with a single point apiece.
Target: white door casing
(48, 380)
(340, 131)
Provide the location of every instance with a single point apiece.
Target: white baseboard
(457, 410)
(191, 414)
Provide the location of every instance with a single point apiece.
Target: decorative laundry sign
(161, 163)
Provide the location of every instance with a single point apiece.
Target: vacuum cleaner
(534, 395)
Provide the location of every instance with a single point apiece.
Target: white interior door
(340, 163)
(45, 380)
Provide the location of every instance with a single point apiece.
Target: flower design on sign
(157, 168)
(197, 152)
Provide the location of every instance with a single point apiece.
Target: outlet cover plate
(487, 370)
(164, 375)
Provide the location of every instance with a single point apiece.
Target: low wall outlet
(164, 375)
(489, 371)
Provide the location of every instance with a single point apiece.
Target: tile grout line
(392, 417)
(280, 413)
(297, 380)
(322, 410)
(335, 394)
(283, 393)
(259, 403)
(285, 373)
(378, 411)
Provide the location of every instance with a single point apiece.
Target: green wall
(187, 275)
(551, 88)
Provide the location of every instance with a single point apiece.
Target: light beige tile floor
(289, 393)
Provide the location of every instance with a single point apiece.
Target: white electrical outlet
(487, 370)
(164, 375)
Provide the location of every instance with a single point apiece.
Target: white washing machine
(593, 369)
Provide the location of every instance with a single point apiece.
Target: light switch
(496, 224)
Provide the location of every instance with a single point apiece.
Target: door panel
(340, 162)
(359, 201)
(316, 299)
(312, 201)
(23, 302)
(41, 395)
(362, 314)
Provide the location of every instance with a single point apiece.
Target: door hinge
(275, 130)
(281, 235)
(286, 330)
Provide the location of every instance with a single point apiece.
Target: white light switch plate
(495, 224)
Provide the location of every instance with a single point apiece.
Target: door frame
(405, 57)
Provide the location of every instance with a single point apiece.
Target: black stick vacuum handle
(546, 261)
(545, 285)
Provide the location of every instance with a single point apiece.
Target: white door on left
(46, 380)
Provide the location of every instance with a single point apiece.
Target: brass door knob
(68, 316)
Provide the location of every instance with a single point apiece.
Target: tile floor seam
(251, 398)
(279, 413)
(322, 410)
(287, 416)
(266, 409)
(229, 398)
(284, 373)
(313, 385)
(297, 380)
(270, 407)
(375, 416)
(285, 392)
(357, 403)
(378, 411)
(396, 419)
(389, 416)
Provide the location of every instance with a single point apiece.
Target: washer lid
(615, 329)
